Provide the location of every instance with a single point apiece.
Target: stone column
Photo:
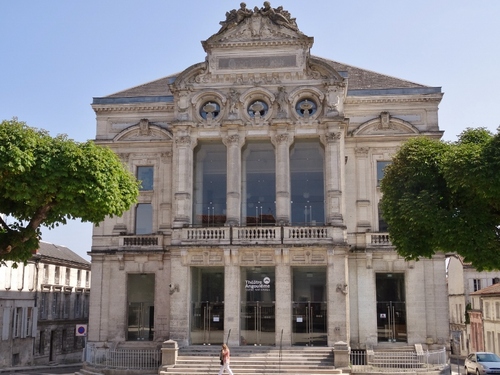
(334, 172)
(282, 143)
(231, 297)
(283, 307)
(182, 177)
(233, 143)
(362, 197)
(338, 296)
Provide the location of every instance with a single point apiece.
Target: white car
(480, 363)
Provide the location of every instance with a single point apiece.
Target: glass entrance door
(309, 310)
(391, 307)
(257, 313)
(257, 323)
(207, 306)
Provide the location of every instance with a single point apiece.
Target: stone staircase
(254, 360)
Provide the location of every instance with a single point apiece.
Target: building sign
(263, 285)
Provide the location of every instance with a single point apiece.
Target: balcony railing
(378, 239)
(257, 234)
(138, 242)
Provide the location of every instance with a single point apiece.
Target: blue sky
(55, 56)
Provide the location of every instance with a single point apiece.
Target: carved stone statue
(278, 16)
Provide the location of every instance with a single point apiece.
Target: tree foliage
(44, 181)
(442, 196)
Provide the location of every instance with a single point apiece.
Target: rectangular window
(78, 306)
(66, 305)
(46, 274)
(55, 305)
(381, 170)
(144, 218)
(85, 306)
(78, 277)
(487, 310)
(56, 275)
(476, 284)
(44, 305)
(140, 298)
(64, 337)
(68, 276)
(29, 321)
(382, 224)
(145, 176)
(87, 279)
(16, 327)
(41, 343)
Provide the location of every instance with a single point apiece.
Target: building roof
(490, 290)
(360, 82)
(60, 253)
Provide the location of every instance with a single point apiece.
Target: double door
(309, 323)
(257, 323)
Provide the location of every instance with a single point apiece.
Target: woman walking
(225, 356)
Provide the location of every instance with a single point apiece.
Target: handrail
(280, 354)
(228, 334)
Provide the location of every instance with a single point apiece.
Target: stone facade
(258, 222)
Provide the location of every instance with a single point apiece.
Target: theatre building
(258, 219)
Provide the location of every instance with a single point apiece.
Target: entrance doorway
(309, 310)
(391, 307)
(257, 314)
(140, 311)
(207, 306)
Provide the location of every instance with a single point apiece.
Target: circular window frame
(204, 114)
(310, 94)
(203, 98)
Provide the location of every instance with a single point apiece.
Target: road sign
(81, 330)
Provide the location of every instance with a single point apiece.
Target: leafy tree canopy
(442, 196)
(44, 181)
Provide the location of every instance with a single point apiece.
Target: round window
(306, 107)
(209, 110)
(258, 108)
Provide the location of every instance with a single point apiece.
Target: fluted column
(362, 197)
(282, 143)
(233, 143)
(333, 140)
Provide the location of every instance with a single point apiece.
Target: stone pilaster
(283, 308)
(179, 294)
(231, 297)
(182, 177)
(338, 296)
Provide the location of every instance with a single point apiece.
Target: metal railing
(372, 362)
(136, 359)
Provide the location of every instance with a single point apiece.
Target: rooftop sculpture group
(278, 16)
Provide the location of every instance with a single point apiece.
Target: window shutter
(6, 323)
(35, 322)
(24, 318)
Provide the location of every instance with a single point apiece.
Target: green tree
(45, 181)
(445, 196)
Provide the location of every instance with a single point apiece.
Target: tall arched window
(307, 183)
(209, 198)
(259, 184)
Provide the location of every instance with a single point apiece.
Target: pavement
(70, 368)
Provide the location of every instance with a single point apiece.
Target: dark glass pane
(210, 184)
(307, 183)
(259, 184)
(144, 219)
(145, 175)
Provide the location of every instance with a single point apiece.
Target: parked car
(480, 363)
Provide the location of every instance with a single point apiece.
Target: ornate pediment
(385, 125)
(144, 131)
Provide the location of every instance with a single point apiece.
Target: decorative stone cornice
(132, 107)
(392, 99)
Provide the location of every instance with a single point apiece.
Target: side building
(41, 303)
(258, 220)
(463, 281)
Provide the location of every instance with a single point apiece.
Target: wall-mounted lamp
(342, 288)
(173, 288)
